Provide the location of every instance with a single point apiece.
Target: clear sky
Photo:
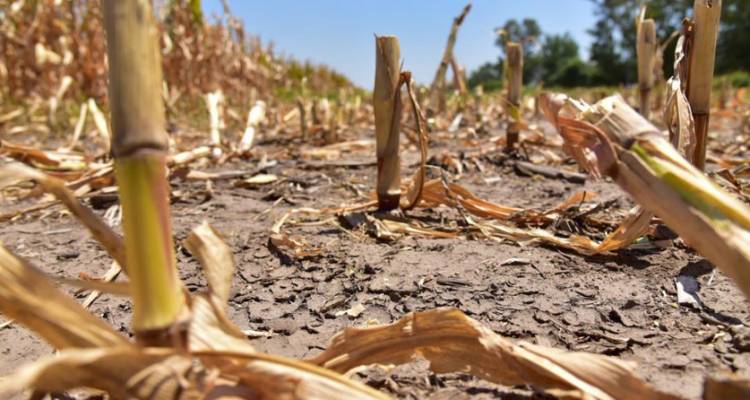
(339, 33)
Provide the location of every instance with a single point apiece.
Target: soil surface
(622, 304)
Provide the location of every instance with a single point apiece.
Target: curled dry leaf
(298, 248)
(415, 187)
(215, 257)
(385, 229)
(211, 330)
(27, 296)
(496, 230)
(163, 374)
(678, 115)
(77, 368)
(633, 227)
(102, 286)
(50, 160)
(493, 223)
(453, 342)
(112, 242)
(726, 388)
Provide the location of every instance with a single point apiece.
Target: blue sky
(339, 33)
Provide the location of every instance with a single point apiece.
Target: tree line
(555, 60)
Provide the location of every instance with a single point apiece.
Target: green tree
(734, 38)
(489, 75)
(560, 63)
(614, 47)
(610, 67)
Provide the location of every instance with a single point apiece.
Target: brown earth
(623, 304)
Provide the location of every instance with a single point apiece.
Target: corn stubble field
(187, 215)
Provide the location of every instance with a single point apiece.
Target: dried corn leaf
(162, 374)
(112, 242)
(211, 330)
(77, 368)
(27, 296)
(215, 257)
(415, 187)
(580, 142)
(110, 275)
(51, 160)
(115, 288)
(634, 226)
(494, 230)
(453, 342)
(678, 115)
(334, 151)
(436, 192)
(726, 388)
(78, 130)
(298, 248)
(387, 228)
(273, 377)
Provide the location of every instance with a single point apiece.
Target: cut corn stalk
(437, 89)
(633, 152)
(78, 130)
(514, 75)
(215, 105)
(54, 101)
(646, 50)
(140, 148)
(459, 76)
(387, 105)
(302, 117)
(100, 121)
(255, 117)
(702, 61)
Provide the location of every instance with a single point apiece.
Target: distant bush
(572, 72)
(489, 75)
(737, 79)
